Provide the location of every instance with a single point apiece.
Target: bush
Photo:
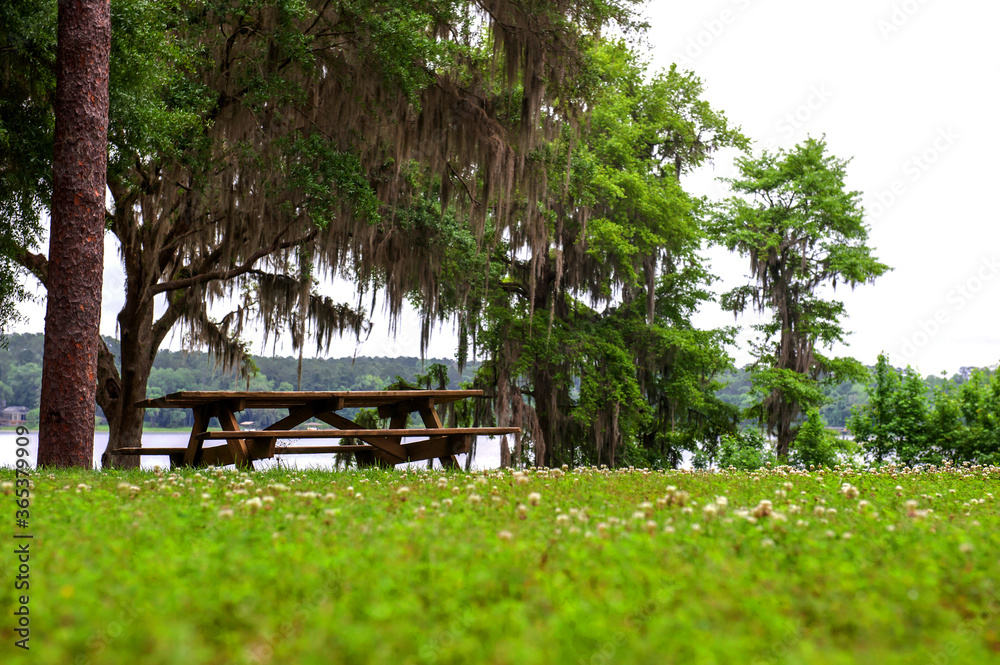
(746, 450)
(816, 445)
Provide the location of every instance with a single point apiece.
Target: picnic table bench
(380, 446)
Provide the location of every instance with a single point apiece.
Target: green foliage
(908, 422)
(815, 445)
(744, 450)
(27, 79)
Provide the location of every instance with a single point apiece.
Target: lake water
(487, 451)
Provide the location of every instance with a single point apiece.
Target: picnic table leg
(192, 456)
(432, 420)
(398, 421)
(227, 421)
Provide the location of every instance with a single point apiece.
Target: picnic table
(379, 446)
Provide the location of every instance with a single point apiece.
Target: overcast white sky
(907, 88)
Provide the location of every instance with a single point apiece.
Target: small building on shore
(12, 416)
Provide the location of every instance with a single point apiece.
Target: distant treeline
(841, 398)
(21, 375)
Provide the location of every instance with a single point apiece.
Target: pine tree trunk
(76, 244)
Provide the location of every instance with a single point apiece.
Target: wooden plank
(292, 398)
(228, 422)
(209, 455)
(414, 450)
(357, 433)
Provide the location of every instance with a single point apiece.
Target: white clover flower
(763, 509)
(767, 542)
(475, 499)
(505, 535)
(522, 511)
(534, 498)
(225, 513)
(721, 501)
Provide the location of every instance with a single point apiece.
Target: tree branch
(223, 275)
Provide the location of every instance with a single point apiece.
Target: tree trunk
(76, 243)
(138, 349)
(544, 402)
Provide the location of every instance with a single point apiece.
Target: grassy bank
(581, 567)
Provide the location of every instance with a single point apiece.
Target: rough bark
(76, 245)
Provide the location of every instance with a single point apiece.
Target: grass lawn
(586, 566)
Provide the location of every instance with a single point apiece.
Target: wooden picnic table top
(277, 399)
